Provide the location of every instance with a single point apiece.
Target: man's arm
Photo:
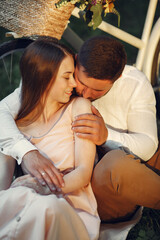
(12, 142)
(141, 136)
(7, 166)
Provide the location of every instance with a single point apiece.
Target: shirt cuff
(113, 135)
(20, 149)
(111, 144)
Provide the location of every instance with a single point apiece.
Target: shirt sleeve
(141, 136)
(12, 141)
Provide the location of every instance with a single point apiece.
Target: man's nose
(86, 93)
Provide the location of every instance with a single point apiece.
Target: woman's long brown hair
(39, 66)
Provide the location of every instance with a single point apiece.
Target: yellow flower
(109, 6)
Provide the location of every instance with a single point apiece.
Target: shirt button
(1, 149)
(17, 157)
(18, 219)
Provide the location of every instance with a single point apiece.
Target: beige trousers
(122, 182)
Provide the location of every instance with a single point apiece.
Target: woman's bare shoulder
(81, 106)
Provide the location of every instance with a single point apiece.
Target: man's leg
(121, 183)
(155, 160)
(7, 166)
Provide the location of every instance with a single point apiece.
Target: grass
(148, 228)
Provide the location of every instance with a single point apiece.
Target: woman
(29, 210)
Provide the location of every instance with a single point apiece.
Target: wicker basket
(34, 17)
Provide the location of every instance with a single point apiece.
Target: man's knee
(108, 172)
(108, 184)
(110, 162)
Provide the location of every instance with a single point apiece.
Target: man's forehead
(93, 83)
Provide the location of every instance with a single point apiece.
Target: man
(123, 128)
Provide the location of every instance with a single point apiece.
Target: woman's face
(62, 88)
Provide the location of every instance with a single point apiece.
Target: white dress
(27, 207)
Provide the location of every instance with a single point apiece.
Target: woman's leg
(121, 183)
(7, 166)
(28, 215)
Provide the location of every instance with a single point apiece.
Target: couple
(124, 130)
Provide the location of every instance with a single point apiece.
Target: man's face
(88, 87)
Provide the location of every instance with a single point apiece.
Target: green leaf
(142, 233)
(96, 17)
(151, 233)
(96, 9)
(97, 22)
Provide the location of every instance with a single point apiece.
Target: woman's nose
(73, 82)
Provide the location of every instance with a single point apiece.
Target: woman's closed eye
(69, 77)
(66, 76)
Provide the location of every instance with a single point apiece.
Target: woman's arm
(84, 153)
(31, 182)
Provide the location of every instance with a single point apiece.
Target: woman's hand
(31, 182)
(43, 170)
(91, 127)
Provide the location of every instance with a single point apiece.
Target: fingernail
(62, 185)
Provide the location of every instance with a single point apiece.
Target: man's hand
(43, 170)
(91, 127)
